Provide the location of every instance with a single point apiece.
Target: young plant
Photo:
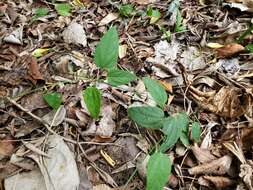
(54, 100)
(126, 10)
(154, 15)
(63, 9)
(106, 58)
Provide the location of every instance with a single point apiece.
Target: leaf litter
(160, 62)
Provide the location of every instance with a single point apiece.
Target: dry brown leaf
(6, 147)
(227, 102)
(202, 155)
(219, 167)
(229, 50)
(217, 181)
(34, 71)
(108, 18)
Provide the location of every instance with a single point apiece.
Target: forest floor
(68, 121)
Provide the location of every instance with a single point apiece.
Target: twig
(38, 119)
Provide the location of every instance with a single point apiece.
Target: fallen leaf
(34, 71)
(108, 18)
(227, 102)
(218, 181)
(219, 166)
(6, 147)
(229, 50)
(75, 34)
(202, 155)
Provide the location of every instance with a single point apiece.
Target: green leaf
(54, 100)
(196, 131)
(154, 15)
(156, 90)
(149, 117)
(40, 12)
(179, 23)
(118, 77)
(184, 139)
(173, 127)
(249, 48)
(158, 171)
(92, 99)
(126, 10)
(63, 9)
(106, 53)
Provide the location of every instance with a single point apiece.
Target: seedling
(126, 10)
(40, 12)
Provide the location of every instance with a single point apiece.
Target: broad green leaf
(173, 127)
(149, 117)
(118, 77)
(92, 99)
(126, 10)
(63, 9)
(107, 50)
(154, 15)
(249, 47)
(172, 132)
(54, 100)
(184, 139)
(196, 131)
(158, 171)
(40, 12)
(156, 90)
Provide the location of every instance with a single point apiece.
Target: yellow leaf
(40, 52)
(214, 45)
(122, 51)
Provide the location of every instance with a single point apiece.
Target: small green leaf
(54, 100)
(92, 99)
(196, 131)
(149, 117)
(245, 34)
(179, 23)
(154, 15)
(106, 53)
(249, 48)
(118, 77)
(40, 12)
(173, 127)
(126, 10)
(63, 9)
(156, 90)
(158, 171)
(184, 139)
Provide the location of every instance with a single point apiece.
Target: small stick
(38, 119)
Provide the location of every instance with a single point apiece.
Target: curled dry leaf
(227, 102)
(202, 155)
(217, 181)
(229, 50)
(219, 167)
(246, 173)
